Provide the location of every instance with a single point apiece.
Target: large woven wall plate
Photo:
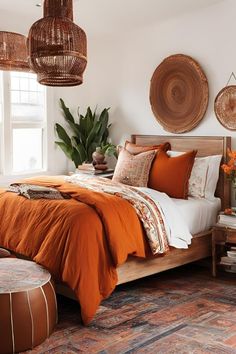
(179, 93)
(225, 107)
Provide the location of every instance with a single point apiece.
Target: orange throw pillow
(137, 149)
(171, 174)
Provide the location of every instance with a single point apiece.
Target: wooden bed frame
(136, 268)
(200, 248)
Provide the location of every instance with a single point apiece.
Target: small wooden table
(85, 175)
(221, 235)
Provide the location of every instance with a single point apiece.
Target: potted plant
(86, 134)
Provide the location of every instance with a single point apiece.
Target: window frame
(6, 133)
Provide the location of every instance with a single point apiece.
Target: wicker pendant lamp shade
(57, 46)
(13, 52)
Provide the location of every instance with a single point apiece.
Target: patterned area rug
(180, 311)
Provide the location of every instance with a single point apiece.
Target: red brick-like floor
(180, 311)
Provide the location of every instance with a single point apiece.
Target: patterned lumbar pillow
(133, 169)
(198, 177)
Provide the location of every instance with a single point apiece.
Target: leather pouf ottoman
(28, 307)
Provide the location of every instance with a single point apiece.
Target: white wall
(119, 72)
(206, 35)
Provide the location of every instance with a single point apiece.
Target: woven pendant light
(57, 46)
(13, 52)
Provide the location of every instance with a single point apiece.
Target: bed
(201, 244)
(134, 267)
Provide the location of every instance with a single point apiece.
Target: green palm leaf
(65, 148)
(62, 134)
(68, 116)
(89, 132)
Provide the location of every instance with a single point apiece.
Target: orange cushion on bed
(137, 149)
(171, 174)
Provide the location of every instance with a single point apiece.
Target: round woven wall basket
(225, 107)
(179, 93)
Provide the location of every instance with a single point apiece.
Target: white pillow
(198, 177)
(204, 175)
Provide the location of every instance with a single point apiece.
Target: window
(22, 123)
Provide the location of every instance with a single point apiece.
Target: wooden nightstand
(221, 237)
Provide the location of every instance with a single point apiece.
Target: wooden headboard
(205, 146)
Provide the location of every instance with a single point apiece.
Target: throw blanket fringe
(31, 191)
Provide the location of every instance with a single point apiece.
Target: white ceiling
(101, 17)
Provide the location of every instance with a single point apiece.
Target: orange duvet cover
(80, 240)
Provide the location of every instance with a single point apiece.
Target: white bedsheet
(184, 218)
(177, 229)
(199, 214)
